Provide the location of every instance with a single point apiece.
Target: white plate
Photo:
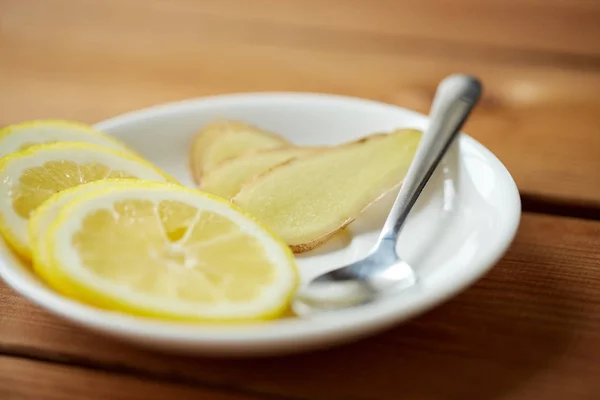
(463, 223)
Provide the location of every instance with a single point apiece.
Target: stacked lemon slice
(104, 226)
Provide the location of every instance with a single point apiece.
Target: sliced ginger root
(222, 140)
(227, 178)
(308, 199)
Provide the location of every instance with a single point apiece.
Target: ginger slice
(308, 199)
(227, 178)
(222, 140)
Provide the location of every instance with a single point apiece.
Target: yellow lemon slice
(42, 218)
(20, 136)
(168, 251)
(31, 176)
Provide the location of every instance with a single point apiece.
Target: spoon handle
(455, 98)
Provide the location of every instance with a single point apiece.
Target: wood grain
(22, 379)
(566, 28)
(534, 25)
(528, 330)
(92, 60)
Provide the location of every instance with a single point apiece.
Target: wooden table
(528, 330)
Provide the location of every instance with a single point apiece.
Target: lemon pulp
(200, 252)
(170, 252)
(36, 184)
(31, 176)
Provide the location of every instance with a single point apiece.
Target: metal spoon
(383, 271)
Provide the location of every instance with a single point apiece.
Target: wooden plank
(569, 28)
(528, 330)
(541, 121)
(535, 25)
(22, 379)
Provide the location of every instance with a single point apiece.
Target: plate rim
(288, 332)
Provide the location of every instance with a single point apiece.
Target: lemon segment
(31, 176)
(167, 251)
(18, 137)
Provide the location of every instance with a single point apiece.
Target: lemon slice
(42, 218)
(31, 176)
(21, 136)
(168, 251)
